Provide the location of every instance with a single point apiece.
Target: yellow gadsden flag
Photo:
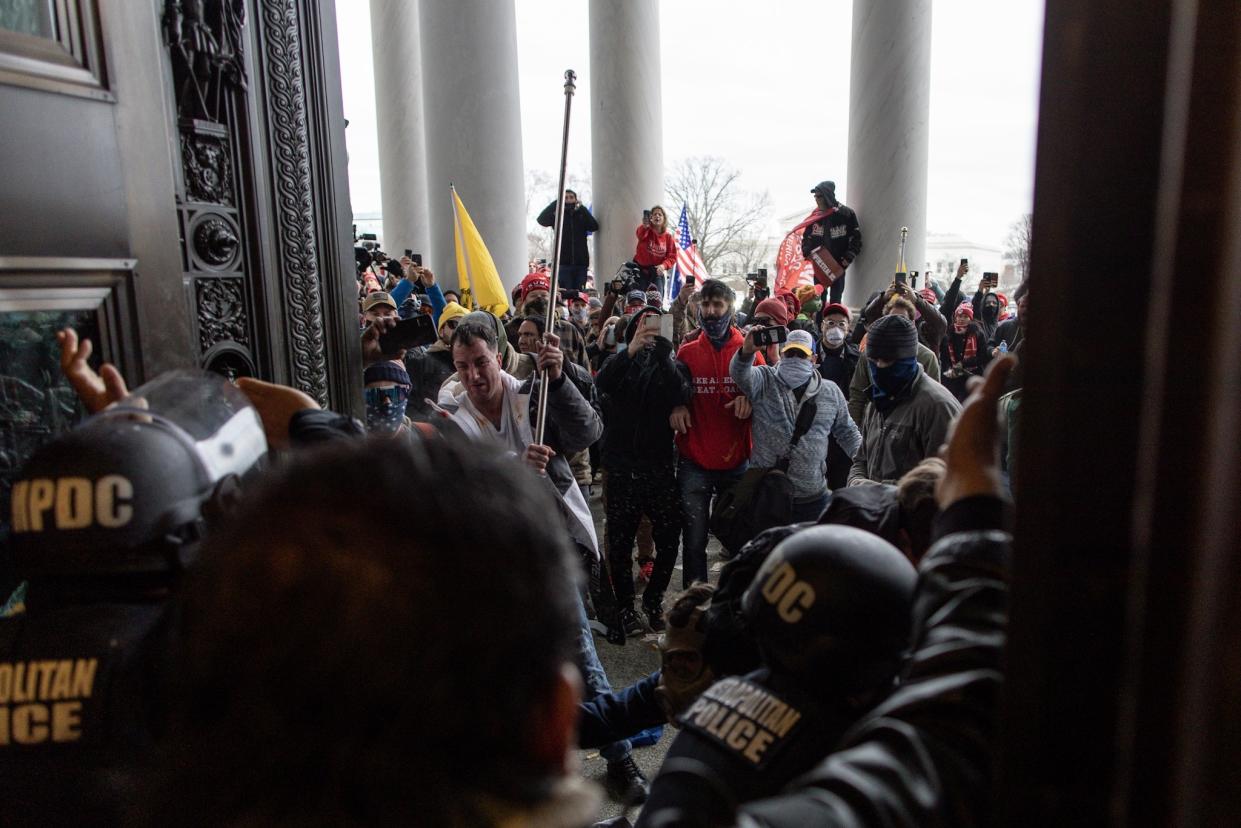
(475, 269)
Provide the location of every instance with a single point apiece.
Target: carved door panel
(172, 180)
(260, 226)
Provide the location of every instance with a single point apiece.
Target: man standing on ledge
(574, 251)
(837, 230)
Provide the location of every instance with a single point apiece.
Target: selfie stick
(549, 325)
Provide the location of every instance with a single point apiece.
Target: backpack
(762, 498)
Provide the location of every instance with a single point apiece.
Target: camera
(625, 279)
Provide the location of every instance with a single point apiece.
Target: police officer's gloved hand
(684, 673)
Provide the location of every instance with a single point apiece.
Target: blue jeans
(810, 509)
(698, 485)
(572, 277)
(595, 677)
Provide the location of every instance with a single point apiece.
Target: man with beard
(643, 387)
(712, 423)
(533, 296)
(908, 415)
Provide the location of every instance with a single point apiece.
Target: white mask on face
(835, 337)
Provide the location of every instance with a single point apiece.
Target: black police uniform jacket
(755, 734)
(923, 756)
(78, 716)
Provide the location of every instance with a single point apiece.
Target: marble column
(627, 141)
(889, 135)
(473, 129)
(402, 146)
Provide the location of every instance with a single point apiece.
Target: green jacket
(859, 387)
(907, 435)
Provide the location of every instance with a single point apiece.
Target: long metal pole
(550, 322)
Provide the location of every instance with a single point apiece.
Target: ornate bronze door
(173, 183)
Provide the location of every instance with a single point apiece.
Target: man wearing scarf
(712, 423)
(965, 352)
(908, 415)
(836, 228)
(778, 395)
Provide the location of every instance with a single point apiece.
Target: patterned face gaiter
(385, 408)
(716, 327)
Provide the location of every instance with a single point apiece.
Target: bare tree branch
(723, 218)
(1017, 244)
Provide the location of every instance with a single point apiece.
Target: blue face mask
(385, 408)
(716, 328)
(889, 385)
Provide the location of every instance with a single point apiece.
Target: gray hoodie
(775, 415)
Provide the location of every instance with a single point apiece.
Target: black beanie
(892, 337)
(386, 371)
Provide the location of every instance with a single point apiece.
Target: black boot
(625, 781)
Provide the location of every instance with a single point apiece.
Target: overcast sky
(738, 76)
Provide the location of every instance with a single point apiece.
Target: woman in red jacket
(657, 250)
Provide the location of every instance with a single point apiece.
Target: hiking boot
(654, 617)
(630, 622)
(625, 782)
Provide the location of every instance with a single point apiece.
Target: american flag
(689, 262)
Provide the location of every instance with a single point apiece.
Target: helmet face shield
(211, 414)
(125, 489)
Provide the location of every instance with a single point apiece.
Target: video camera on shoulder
(625, 279)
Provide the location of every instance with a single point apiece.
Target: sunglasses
(392, 396)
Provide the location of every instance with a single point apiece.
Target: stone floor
(626, 664)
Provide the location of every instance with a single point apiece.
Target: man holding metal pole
(497, 407)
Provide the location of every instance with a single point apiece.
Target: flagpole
(458, 240)
(550, 322)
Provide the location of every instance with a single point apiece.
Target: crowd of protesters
(318, 649)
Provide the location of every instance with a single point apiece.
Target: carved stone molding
(221, 313)
(295, 218)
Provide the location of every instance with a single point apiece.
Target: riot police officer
(105, 519)
(829, 610)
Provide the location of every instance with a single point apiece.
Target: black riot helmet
(832, 604)
(123, 494)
